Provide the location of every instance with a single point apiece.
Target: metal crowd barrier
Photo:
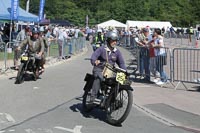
(2, 55)
(153, 65)
(8, 56)
(179, 40)
(182, 65)
(186, 66)
(174, 40)
(70, 47)
(7, 51)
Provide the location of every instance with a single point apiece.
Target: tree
(179, 12)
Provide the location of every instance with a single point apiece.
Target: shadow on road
(94, 114)
(27, 77)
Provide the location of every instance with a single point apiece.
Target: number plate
(97, 45)
(121, 77)
(24, 58)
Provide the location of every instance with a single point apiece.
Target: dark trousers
(97, 72)
(144, 63)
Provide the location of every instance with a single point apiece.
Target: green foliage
(178, 12)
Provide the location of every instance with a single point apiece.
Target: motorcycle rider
(106, 53)
(20, 37)
(98, 40)
(34, 44)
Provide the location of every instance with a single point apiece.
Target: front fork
(117, 99)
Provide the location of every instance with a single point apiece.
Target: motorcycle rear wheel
(36, 74)
(86, 103)
(20, 74)
(118, 108)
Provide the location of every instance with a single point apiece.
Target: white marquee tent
(111, 23)
(151, 24)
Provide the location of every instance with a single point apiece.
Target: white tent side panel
(151, 24)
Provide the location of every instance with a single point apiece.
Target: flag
(41, 10)
(14, 9)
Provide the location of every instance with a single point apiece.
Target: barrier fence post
(70, 46)
(5, 57)
(196, 44)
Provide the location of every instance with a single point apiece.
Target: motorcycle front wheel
(118, 108)
(20, 74)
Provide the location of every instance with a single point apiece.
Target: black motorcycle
(29, 63)
(115, 96)
(97, 45)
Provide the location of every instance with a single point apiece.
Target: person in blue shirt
(106, 53)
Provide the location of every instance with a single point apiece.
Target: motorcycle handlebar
(116, 68)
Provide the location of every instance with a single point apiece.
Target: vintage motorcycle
(115, 96)
(29, 63)
(97, 45)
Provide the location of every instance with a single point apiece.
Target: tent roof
(61, 22)
(5, 9)
(112, 23)
(151, 24)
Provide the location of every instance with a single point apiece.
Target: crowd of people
(152, 57)
(37, 39)
(152, 52)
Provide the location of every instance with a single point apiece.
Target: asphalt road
(52, 104)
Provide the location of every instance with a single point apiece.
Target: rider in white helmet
(98, 40)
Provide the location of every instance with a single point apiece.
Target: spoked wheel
(118, 108)
(20, 74)
(87, 104)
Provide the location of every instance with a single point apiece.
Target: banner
(41, 10)
(14, 9)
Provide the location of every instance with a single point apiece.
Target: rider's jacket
(99, 39)
(114, 56)
(34, 46)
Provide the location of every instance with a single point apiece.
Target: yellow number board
(121, 77)
(24, 58)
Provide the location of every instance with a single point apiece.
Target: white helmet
(41, 28)
(99, 30)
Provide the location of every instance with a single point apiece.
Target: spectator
(42, 34)
(152, 55)
(163, 30)
(168, 32)
(161, 56)
(62, 35)
(198, 35)
(142, 41)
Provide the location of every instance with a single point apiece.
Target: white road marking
(77, 129)
(35, 88)
(2, 131)
(29, 130)
(8, 117)
(11, 130)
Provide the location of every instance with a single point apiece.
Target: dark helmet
(35, 30)
(111, 35)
